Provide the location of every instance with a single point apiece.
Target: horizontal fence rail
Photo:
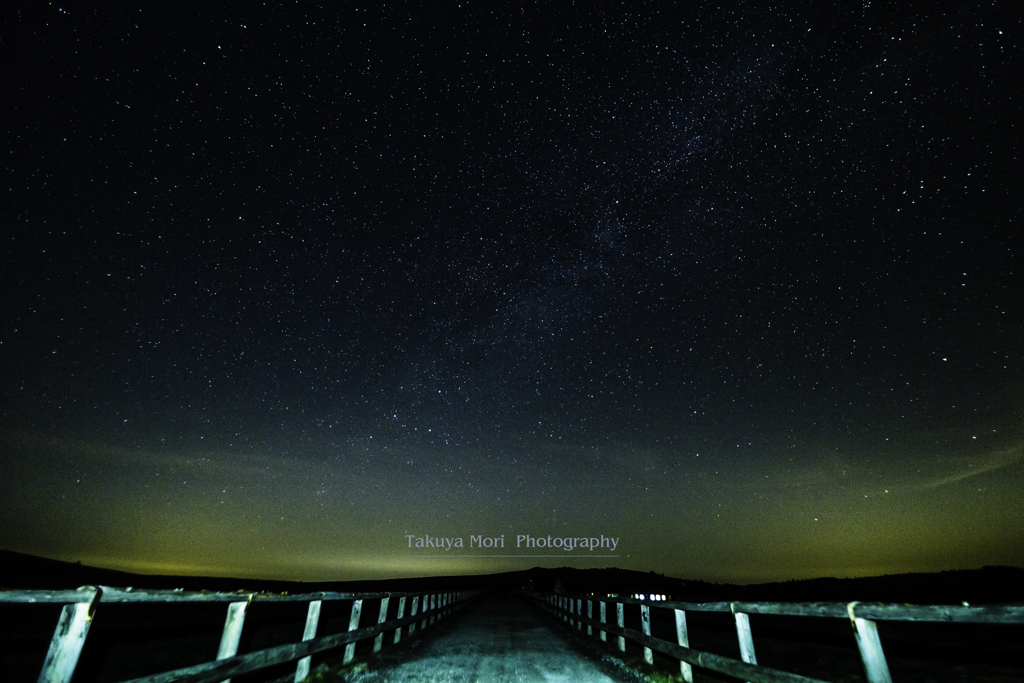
(80, 605)
(862, 616)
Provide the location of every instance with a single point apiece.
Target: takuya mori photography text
(523, 541)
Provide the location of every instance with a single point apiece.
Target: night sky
(739, 285)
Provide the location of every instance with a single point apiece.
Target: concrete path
(497, 639)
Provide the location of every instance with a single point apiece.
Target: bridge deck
(497, 639)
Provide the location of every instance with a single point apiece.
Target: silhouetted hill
(976, 586)
(18, 570)
(21, 571)
(622, 582)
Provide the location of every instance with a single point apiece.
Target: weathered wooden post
(683, 638)
(621, 620)
(745, 637)
(353, 624)
(590, 615)
(579, 612)
(604, 618)
(312, 621)
(876, 669)
(645, 624)
(415, 604)
(401, 613)
(378, 642)
(232, 630)
(69, 638)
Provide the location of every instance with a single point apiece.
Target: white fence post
(621, 619)
(683, 638)
(746, 638)
(415, 604)
(378, 642)
(590, 615)
(312, 621)
(604, 618)
(401, 613)
(645, 623)
(232, 630)
(353, 624)
(68, 640)
(876, 669)
(579, 613)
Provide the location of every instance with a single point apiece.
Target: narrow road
(496, 640)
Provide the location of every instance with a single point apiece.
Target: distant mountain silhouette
(987, 585)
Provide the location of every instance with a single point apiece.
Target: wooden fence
(862, 616)
(80, 606)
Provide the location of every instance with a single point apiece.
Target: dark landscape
(987, 585)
